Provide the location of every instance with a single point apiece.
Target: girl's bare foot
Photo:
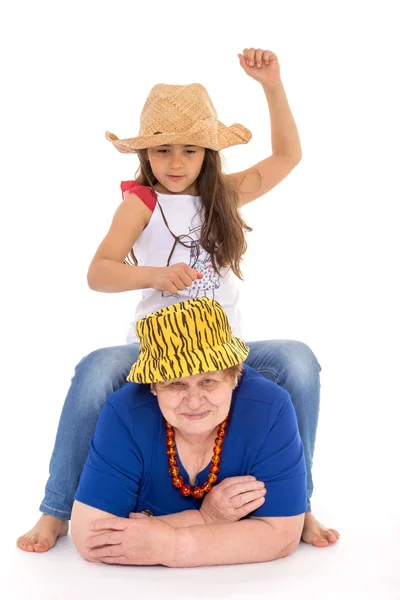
(316, 534)
(43, 535)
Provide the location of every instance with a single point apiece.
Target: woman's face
(176, 167)
(196, 404)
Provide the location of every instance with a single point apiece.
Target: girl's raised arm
(263, 66)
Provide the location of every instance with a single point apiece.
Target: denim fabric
(290, 364)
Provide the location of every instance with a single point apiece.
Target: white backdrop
(323, 257)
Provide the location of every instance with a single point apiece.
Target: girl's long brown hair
(223, 231)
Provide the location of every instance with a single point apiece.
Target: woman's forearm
(110, 276)
(285, 139)
(247, 541)
(186, 518)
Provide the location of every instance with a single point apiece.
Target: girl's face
(195, 405)
(176, 167)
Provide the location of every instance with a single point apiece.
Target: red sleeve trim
(145, 193)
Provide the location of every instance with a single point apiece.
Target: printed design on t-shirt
(201, 261)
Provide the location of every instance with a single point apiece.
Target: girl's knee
(106, 364)
(296, 363)
(284, 360)
(301, 358)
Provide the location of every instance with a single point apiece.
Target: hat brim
(173, 367)
(215, 136)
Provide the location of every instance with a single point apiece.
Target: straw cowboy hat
(185, 339)
(181, 114)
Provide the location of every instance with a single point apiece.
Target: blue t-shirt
(127, 465)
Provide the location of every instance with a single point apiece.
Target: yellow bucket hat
(181, 114)
(185, 339)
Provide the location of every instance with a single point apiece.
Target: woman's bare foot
(43, 535)
(316, 534)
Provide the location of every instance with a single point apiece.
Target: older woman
(169, 479)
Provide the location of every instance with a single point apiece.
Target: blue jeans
(290, 364)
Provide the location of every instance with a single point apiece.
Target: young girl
(181, 217)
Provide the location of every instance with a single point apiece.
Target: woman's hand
(174, 278)
(139, 540)
(261, 65)
(233, 499)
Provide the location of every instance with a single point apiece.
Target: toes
(41, 539)
(314, 533)
(336, 533)
(24, 543)
(320, 542)
(33, 544)
(44, 544)
(42, 547)
(316, 539)
(332, 535)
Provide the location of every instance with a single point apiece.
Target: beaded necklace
(177, 480)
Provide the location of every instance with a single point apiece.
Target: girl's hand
(174, 278)
(139, 540)
(233, 499)
(261, 65)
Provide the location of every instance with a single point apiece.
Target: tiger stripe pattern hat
(185, 339)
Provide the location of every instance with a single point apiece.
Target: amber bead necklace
(177, 480)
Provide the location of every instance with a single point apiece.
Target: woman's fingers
(243, 486)
(105, 539)
(228, 481)
(246, 509)
(115, 560)
(105, 551)
(115, 523)
(246, 497)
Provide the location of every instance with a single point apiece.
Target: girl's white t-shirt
(184, 217)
